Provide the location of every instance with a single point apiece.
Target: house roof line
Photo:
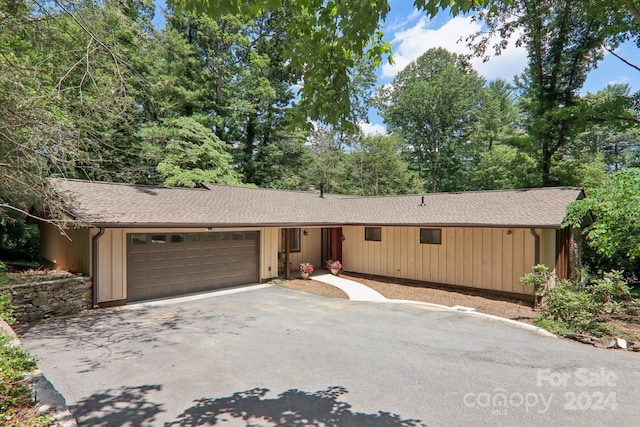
(128, 205)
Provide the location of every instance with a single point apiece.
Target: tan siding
(497, 261)
(459, 256)
(477, 258)
(507, 260)
(71, 252)
(488, 258)
(548, 248)
(528, 261)
(487, 243)
(269, 238)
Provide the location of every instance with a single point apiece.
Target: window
(177, 238)
(208, 237)
(138, 239)
(222, 236)
(236, 235)
(373, 234)
(159, 238)
(193, 237)
(294, 239)
(430, 236)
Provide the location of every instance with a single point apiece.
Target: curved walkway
(359, 292)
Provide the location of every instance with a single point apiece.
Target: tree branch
(633, 9)
(621, 58)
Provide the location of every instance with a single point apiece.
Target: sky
(412, 33)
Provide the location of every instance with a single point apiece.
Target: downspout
(536, 257)
(94, 266)
(536, 249)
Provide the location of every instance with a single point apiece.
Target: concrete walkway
(359, 292)
(354, 290)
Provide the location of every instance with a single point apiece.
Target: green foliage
(18, 240)
(14, 391)
(538, 279)
(430, 106)
(563, 43)
(614, 207)
(6, 308)
(326, 39)
(188, 153)
(377, 169)
(575, 307)
(605, 289)
(504, 167)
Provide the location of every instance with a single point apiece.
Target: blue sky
(412, 33)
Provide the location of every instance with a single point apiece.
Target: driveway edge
(48, 399)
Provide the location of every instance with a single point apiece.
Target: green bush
(576, 307)
(14, 362)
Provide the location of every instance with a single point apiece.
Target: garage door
(167, 264)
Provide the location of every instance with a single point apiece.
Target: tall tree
(376, 168)
(430, 106)
(564, 42)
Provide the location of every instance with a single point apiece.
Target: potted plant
(334, 266)
(305, 269)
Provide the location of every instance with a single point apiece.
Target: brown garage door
(166, 264)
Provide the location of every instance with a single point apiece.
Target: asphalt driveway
(275, 356)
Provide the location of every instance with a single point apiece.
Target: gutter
(94, 266)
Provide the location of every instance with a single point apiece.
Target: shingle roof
(125, 205)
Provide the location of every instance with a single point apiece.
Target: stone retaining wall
(39, 300)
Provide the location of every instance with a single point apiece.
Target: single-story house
(140, 242)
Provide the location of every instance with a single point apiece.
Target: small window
(159, 238)
(177, 238)
(208, 237)
(236, 235)
(222, 236)
(251, 235)
(373, 234)
(139, 239)
(431, 236)
(294, 239)
(193, 237)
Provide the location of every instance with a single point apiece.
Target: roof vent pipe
(322, 191)
(422, 202)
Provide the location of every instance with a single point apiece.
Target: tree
(330, 35)
(376, 168)
(430, 106)
(328, 166)
(188, 153)
(65, 88)
(497, 115)
(614, 207)
(326, 40)
(503, 167)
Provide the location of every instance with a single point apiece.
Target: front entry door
(331, 244)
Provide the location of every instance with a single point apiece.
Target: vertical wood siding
(269, 243)
(72, 253)
(310, 249)
(485, 258)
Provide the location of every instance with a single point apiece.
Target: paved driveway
(275, 356)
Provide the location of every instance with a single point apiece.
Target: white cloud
(370, 129)
(412, 42)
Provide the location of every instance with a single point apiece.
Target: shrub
(575, 307)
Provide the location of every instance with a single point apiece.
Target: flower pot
(304, 275)
(335, 271)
